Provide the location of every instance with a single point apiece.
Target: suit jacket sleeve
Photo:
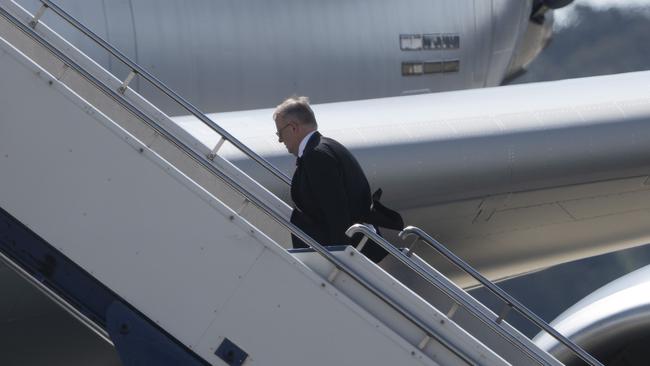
(325, 179)
(306, 224)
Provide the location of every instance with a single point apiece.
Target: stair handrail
(424, 273)
(245, 193)
(137, 69)
(510, 302)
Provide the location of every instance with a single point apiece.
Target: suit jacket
(331, 193)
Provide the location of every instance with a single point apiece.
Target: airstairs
(175, 256)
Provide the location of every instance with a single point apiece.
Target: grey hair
(297, 109)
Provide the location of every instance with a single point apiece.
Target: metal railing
(510, 302)
(138, 70)
(207, 164)
(535, 354)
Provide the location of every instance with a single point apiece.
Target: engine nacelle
(538, 34)
(612, 323)
(544, 5)
(556, 4)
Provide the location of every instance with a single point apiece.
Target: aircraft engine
(554, 4)
(535, 39)
(612, 323)
(537, 36)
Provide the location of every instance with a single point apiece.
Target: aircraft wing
(512, 179)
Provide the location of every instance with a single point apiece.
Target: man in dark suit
(329, 188)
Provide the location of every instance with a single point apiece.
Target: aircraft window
(412, 68)
(432, 67)
(410, 42)
(451, 66)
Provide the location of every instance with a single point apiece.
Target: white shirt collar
(303, 143)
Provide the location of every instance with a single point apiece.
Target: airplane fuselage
(237, 55)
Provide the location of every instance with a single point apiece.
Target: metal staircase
(480, 338)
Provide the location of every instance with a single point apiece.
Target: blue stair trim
(96, 301)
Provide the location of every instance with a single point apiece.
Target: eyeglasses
(280, 130)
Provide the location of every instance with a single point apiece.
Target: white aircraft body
(239, 55)
(514, 179)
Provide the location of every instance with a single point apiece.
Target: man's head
(294, 119)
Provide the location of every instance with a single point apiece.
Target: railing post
(409, 249)
(504, 312)
(362, 243)
(213, 153)
(125, 84)
(38, 15)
